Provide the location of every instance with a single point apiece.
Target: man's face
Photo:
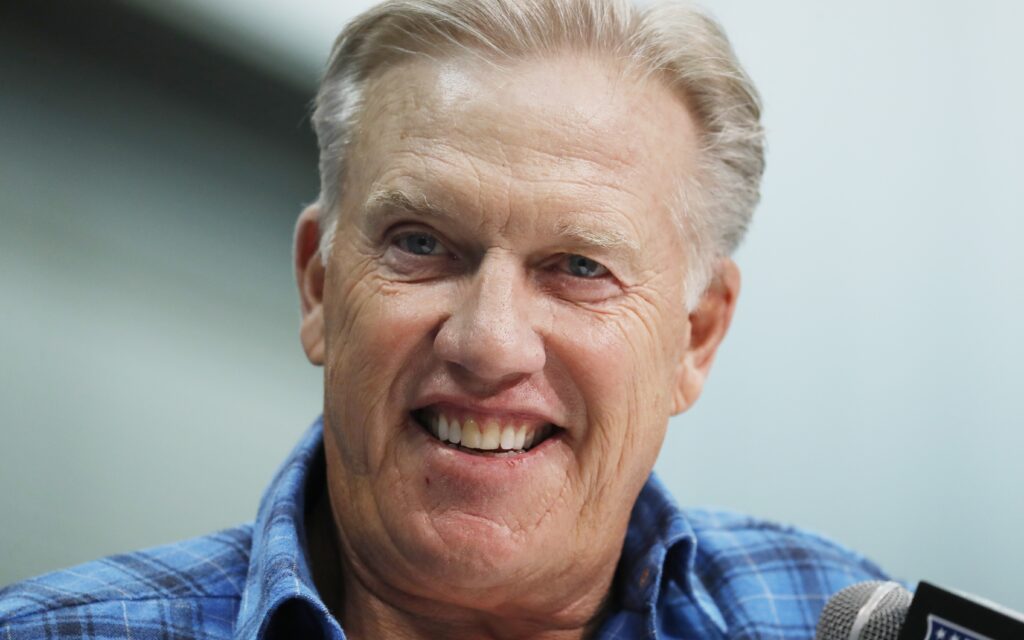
(505, 259)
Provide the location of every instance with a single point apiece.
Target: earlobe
(688, 385)
(311, 334)
(708, 324)
(309, 276)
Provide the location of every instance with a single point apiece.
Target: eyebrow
(574, 231)
(402, 201)
(597, 236)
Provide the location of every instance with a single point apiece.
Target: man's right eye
(420, 243)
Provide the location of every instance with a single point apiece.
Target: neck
(368, 616)
(367, 608)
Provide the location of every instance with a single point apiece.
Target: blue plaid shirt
(682, 574)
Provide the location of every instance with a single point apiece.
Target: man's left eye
(420, 243)
(583, 267)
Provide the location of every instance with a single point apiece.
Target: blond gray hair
(673, 41)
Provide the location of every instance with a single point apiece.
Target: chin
(469, 551)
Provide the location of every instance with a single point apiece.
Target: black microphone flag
(938, 614)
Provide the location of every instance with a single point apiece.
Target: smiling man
(516, 272)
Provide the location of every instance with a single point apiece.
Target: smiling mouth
(482, 435)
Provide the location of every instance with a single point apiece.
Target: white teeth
(508, 437)
(487, 437)
(520, 437)
(490, 436)
(454, 432)
(471, 434)
(442, 429)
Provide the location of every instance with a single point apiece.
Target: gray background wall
(150, 375)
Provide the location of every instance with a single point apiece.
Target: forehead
(570, 131)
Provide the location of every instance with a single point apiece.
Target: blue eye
(420, 244)
(583, 267)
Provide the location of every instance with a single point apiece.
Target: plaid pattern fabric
(683, 574)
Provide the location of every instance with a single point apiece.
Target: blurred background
(154, 155)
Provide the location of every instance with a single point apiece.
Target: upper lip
(492, 407)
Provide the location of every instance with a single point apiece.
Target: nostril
(493, 358)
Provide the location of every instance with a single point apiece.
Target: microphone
(872, 610)
(886, 611)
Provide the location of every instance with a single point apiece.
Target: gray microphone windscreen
(865, 611)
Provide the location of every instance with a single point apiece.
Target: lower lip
(452, 460)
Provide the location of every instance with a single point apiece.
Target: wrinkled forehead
(578, 121)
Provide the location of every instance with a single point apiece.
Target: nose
(489, 333)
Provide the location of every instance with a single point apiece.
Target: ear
(309, 275)
(708, 324)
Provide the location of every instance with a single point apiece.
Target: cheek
(620, 366)
(379, 340)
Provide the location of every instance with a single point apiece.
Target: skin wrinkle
(547, 150)
(597, 234)
(565, 151)
(586, 184)
(553, 155)
(392, 543)
(357, 571)
(543, 515)
(505, 165)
